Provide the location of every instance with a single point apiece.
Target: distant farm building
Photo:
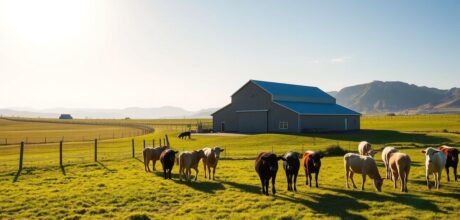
(65, 116)
(261, 107)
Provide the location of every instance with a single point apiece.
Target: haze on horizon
(194, 55)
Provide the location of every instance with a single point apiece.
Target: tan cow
(399, 164)
(187, 161)
(210, 160)
(364, 148)
(364, 165)
(152, 154)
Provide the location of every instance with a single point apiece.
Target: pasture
(118, 187)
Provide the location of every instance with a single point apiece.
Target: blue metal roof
(290, 92)
(306, 108)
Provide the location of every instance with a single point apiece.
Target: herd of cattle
(397, 165)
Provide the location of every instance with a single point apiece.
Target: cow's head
(272, 161)
(430, 153)
(378, 182)
(217, 151)
(372, 153)
(315, 159)
(291, 158)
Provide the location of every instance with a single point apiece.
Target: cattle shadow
(379, 136)
(245, 187)
(405, 199)
(331, 205)
(206, 187)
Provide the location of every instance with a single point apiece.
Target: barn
(263, 107)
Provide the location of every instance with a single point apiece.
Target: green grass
(118, 187)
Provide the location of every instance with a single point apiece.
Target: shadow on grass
(16, 177)
(245, 187)
(106, 168)
(405, 199)
(379, 137)
(206, 187)
(63, 170)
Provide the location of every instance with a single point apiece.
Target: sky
(195, 54)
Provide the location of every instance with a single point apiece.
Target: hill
(380, 97)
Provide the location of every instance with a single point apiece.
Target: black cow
(185, 135)
(267, 166)
(291, 167)
(451, 160)
(311, 164)
(167, 159)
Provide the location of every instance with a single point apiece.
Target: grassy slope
(119, 187)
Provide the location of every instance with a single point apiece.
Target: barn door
(252, 122)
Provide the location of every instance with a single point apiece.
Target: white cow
(434, 163)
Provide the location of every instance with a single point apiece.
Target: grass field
(118, 187)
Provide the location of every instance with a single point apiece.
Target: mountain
(380, 97)
(132, 112)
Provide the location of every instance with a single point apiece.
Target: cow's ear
(281, 158)
(221, 150)
(424, 151)
(321, 156)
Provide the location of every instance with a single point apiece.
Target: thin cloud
(339, 60)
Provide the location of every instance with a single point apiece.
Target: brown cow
(152, 154)
(451, 161)
(311, 164)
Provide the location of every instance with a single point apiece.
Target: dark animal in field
(311, 164)
(189, 160)
(152, 154)
(167, 159)
(291, 166)
(266, 166)
(185, 135)
(451, 161)
(210, 160)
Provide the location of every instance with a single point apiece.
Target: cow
(386, 154)
(399, 164)
(266, 166)
(364, 148)
(435, 161)
(185, 135)
(167, 159)
(291, 167)
(311, 164)
(210, 160)
(365, 165)
(451, 159)
(152, 154)
(187, 161)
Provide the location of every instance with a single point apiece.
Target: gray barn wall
(252, 97)
(329, 122)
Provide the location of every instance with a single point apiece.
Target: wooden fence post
(60, 153)
(160, 142)
(167, 140)
(153, 142)
(132, 144)
(95, 150)
(144, 143)
(21, 155)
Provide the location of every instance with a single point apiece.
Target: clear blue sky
(195, 54)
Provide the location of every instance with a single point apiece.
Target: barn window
(283, 125)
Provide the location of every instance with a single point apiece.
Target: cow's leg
(288, 180)
(438, 177)
(181, 170)
(306, 177)
(196, 176)
(262, 181)
(316, 178)
(209, 172)
(164, 172)
(352, 180)
(447, 173)
(273, 185)
(455, 172)
(346, 178)
(204, 165)
(213, 173)
(395, 178)
(402, 178)
(427, 181)
(309, 178)
(364, 181)
(295, 181)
